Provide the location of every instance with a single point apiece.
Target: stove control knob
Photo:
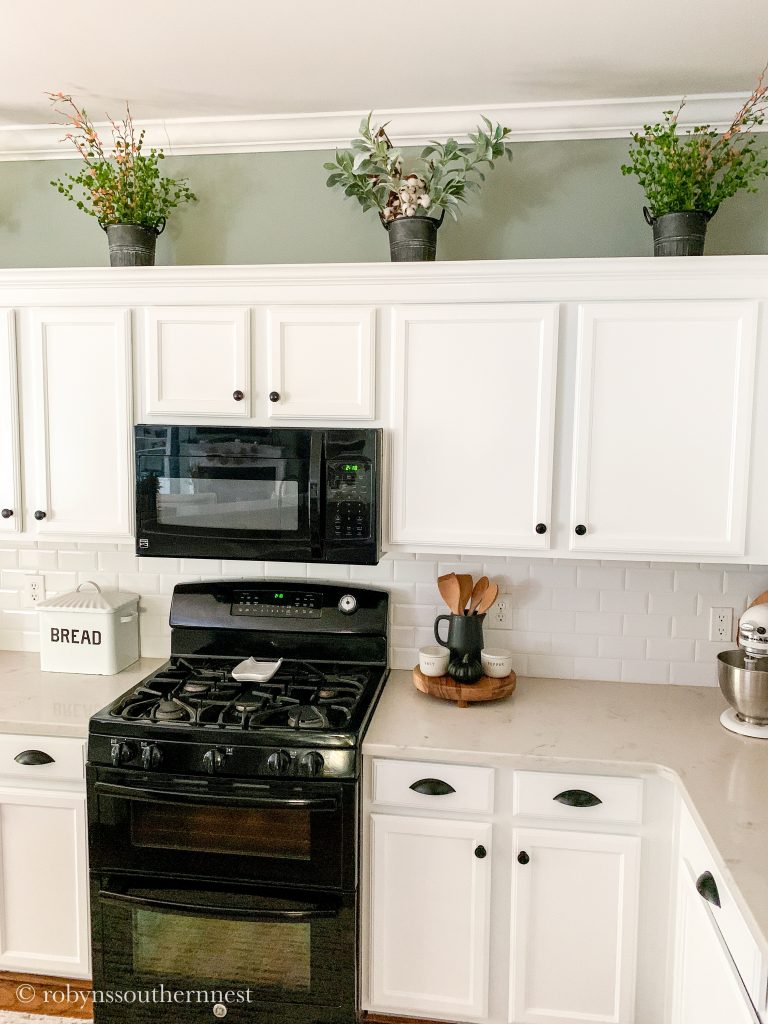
(151, 757)
(279, 762)
(348, 604)
(121, 752)
(213, 760)
(311, 763)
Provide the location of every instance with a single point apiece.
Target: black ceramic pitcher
(465, 634)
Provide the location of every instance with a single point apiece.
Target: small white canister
(92, 631)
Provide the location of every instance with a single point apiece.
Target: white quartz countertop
(556, 724)
(57, 703)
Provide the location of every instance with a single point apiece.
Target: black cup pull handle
(432, 787)
(438, 620)
(33, 757)
(577, 798)
(706, 886)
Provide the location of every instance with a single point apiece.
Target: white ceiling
(174, 59)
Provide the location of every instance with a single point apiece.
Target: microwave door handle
(202, 910)
(220, 799)
(315, 492)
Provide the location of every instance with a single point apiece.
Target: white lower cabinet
(430, 915)
(574, 927)
(708, 987)
(43, 882)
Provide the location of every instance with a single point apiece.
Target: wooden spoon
(465, 591)
(487, 599)
(450, 591)
(477, 592)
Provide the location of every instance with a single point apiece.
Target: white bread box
(92, 631)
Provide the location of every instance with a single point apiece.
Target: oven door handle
(316, 803)
(201, 910)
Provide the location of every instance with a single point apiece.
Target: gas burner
(195, 689)
(171, 711)
(247, 707)
(305, 716)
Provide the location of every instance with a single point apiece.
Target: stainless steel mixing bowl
(744, 682)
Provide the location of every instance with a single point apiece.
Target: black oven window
(229, 500)
(272, 956)
(275, 833)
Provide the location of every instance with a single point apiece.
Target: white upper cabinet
(197, 362)
(430, 903)
(473, 394)
(574, 928)
(664, 397)
(10, 476)
(321, 362)
(80, 412)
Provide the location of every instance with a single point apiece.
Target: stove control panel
(276, 603)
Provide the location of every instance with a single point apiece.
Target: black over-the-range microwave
(283, 494)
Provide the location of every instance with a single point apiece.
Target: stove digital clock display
(304, 604)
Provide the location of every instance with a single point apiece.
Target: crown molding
(275, 133)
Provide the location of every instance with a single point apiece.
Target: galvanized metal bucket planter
(679, 234)
(413, 239)
(131, 245)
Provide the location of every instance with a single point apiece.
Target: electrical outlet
(499, 613)
(34, 590)
(721, 624)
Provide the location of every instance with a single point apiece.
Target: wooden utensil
(450, 591)
(487, 599)
(477, 592)
(465, 591)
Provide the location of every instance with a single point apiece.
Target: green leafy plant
(443, 175)
(698, 169)
(121, 184)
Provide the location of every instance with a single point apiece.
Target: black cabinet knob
(238, 395)
(6, 513)
(40, 514)
(480, 852)
(580, 530)
(541, 527)
(274, 396)
(522, 857)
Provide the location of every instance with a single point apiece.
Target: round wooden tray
(464, 694)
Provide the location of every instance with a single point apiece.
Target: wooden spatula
(465, 591)
(477, 592)
(450, 591)
(490, 595)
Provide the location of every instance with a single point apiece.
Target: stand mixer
(743, 674)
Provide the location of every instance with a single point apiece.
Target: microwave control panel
(349, 499)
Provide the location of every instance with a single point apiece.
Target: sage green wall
(554, 199)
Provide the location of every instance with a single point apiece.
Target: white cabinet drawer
(741, 945)
(578, 798)
(425, 785)
(68, 757)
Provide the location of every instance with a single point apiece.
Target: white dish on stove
(253, 671)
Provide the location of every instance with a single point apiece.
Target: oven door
(285, 833)
(280, 955)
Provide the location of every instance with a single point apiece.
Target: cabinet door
(321, 362)
(44, 888)
(430, 908)
(664, 396)
(197, 362)
(474, 389)
(708, 988)
(81, 405)
(10, 476)
(574, 927)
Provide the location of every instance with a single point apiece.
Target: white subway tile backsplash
(631, 621)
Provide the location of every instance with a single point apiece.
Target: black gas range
(224, 812)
